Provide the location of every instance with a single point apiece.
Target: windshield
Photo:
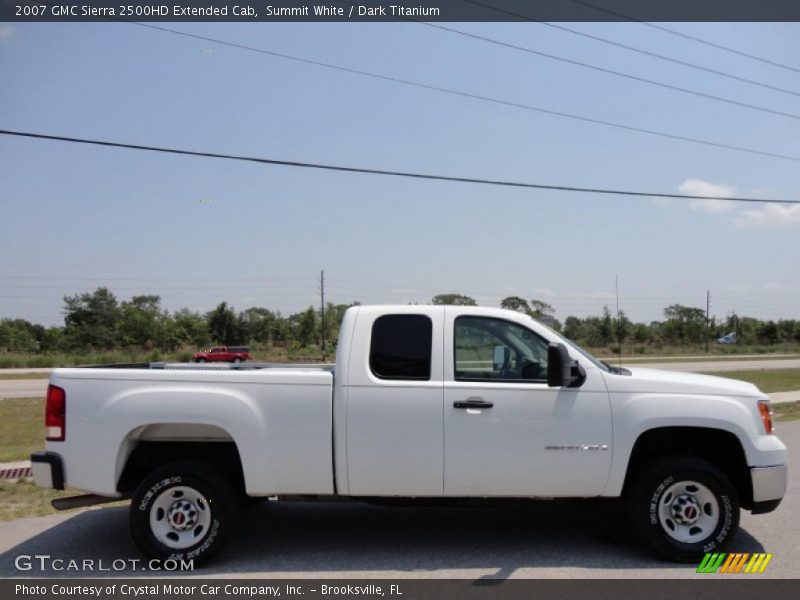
(595, 361)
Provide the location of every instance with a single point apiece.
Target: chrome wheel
(180, 517)
(688, 512)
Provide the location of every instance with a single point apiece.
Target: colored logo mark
(735, 562)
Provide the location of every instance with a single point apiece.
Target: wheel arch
(719, 447)
(153, 446)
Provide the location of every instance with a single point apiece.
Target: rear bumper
(48, 470)
(769, 487)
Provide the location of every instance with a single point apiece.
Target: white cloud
(776, 286)
(542, 292)
(700, 187)
(595, 295)
(5, 31)
(770, 215)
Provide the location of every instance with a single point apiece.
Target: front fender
(636, 413)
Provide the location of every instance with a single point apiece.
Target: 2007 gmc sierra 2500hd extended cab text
(423, 402)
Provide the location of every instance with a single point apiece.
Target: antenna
(322, 311)
(708, 326)
(619, 320)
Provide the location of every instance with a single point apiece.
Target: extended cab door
(506, 432)
(393, 393)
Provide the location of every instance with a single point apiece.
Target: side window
(401, 347)
(216, 350)
(487, 349)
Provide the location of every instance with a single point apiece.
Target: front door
(506, 432)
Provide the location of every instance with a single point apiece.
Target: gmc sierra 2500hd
(423, 402)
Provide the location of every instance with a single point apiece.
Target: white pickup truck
(423, 402)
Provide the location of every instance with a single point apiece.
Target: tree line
(98, 321)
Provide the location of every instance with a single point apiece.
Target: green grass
(767, 380)
(18, 360)
(21, 428)
(786, 411)
(17, 376)
(22, 498)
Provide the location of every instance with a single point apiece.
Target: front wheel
(237, 360)
(683, 508)
(183, 511)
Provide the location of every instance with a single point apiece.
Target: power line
(384, 172)
(244, 285)
(147, 279)
(470, 95)
(689, 37)
(592, 67)
(642, 51)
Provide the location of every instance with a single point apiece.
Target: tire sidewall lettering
(656, 497)
(155, 489)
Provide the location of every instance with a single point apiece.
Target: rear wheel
(183, 511)
(237, 360)
(683, 508)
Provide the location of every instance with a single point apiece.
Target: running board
(81, 501)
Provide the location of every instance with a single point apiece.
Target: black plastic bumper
(51, 461)
(759, 508)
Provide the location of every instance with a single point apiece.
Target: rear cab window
(401, 347)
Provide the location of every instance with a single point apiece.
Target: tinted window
(401, 347)
(493, 349)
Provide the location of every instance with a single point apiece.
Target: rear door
(506, 432)
(394, 420)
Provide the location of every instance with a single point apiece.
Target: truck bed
(278, 415)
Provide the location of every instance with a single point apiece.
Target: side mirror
(500, 357)
(562, 371)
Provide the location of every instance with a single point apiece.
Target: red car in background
(234, 354)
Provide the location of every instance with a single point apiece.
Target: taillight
(55, 414)
(766, 415)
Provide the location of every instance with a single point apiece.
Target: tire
(683, 507)
(183, 510)
(200, 360)
(237, 360)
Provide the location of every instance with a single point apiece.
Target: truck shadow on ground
(354, 540)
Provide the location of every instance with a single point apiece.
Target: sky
(199, 231)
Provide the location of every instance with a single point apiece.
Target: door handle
(473, 402)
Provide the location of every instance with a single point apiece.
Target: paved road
(719, 365)
(575, 539)
(22, 388)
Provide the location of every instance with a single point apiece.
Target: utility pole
(322, 310)
(708, 307)
(619, 320)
